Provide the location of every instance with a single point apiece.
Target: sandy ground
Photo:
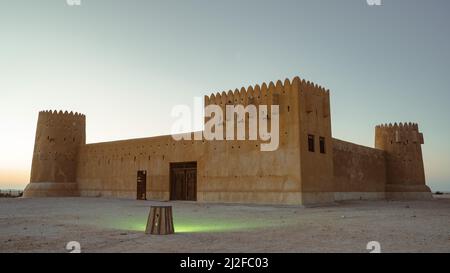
(114, 225)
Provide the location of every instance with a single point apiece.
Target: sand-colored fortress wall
(58, 138)
(316, 166)
(109, 169)
(228, 171)
(359, 171)
(237, 171)
(308, 167)
(404, 162)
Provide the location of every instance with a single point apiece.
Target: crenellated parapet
(61, 113)
(61, 119)
(263, 93)
(400, 125)
(403, 132)
(291, 96)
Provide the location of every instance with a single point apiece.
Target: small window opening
(311, 143)
(322, 145)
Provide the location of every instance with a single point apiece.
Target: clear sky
(126, 63)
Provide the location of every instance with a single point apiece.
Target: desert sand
(117, 225)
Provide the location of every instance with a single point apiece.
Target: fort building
(309, 167)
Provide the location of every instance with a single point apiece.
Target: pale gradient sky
(125, 64)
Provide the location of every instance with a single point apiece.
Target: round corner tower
(58, 138)
(405, 175)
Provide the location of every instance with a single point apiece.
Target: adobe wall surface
(110, 169)
(236, 171)
(316, 167)
(404, 161)
(359, 171)
(57, 140)
(227, 171)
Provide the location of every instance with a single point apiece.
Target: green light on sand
(189, 225)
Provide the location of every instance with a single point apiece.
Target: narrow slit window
(322, 145)
(311, 143)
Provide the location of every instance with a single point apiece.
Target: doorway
(183, 181)
(141, 185)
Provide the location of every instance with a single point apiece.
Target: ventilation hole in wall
(64, 139)
(289, 108)
(256, 145)
(134, 159)
(164, 157)
(149, 158)
(239, 147)
(73, 139)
